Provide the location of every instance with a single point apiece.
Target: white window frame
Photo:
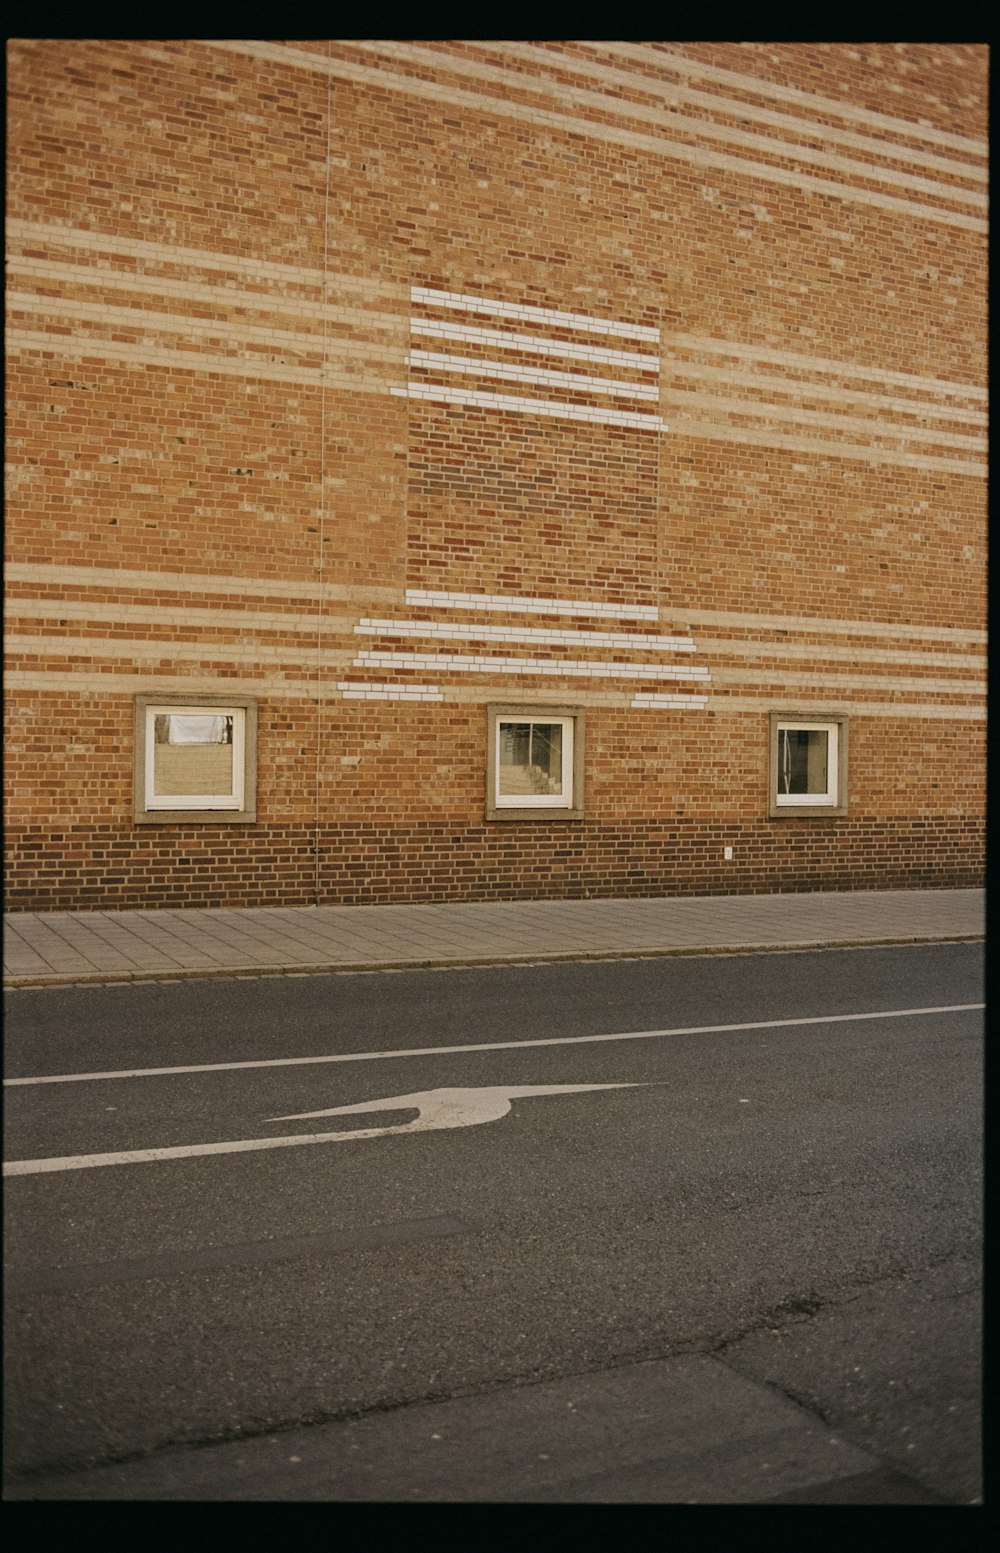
(832, 802)
(568, 802)
(237, 805)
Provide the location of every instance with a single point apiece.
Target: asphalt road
(708, 1265)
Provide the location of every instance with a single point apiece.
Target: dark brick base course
(110, 868)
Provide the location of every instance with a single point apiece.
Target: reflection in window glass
(192, 758)
(530, 759)
(182, 728)
(803, 760)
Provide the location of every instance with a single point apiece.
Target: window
(808, 765)
(534, 763)
(195, 759)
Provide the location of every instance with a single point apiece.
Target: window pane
(530, 758)
(192, 755)
(803, 760)
(188, 728)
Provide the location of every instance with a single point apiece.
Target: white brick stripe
(841, 369)
(653, 701)
(508, 603)
(536, 344)
(803, 149)
(670, 93)
(240, 620)
(443, 662)
(856, 681)
(105, 578)
(919, 711)
(71, 682)
(220, 295)
(761, 435)
(40, 232)
(197, 258)
(248, 654)
(308, 341)
(220, 617)
(176, 359)
(883, 402)
(834, 107)
(493, 665)
(352, 690)
(485, 401)
(679, 63)
(311, 594)
(657, 145)
(478, 366)
(462, 302)
(815, 625)
(63, 347)
(774, 414)
(525, 636)
(824, 652)
(159, 354)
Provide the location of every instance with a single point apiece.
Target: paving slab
(681, 1430)
(52, 948)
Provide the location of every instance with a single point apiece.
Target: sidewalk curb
(13, 983)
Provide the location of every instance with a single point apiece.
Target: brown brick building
(481, 470)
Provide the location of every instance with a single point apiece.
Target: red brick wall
(695, 331)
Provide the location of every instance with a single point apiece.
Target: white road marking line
(489, 1046)
(452, 1107)
(27, 1167)
(439, 1109)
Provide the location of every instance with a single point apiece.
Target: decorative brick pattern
(646, 698)
(524, 313)
(499, 602)
(497, 663)
(439, 91)
(395, 380)
(437, 375)
(462, 631)
(570, 412)
(369, 690)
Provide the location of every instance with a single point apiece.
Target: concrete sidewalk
(56, 948)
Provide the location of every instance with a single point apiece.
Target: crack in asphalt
(804, 1307)
(253, 1431)
(793, 1310)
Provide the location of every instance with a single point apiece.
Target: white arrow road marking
(450, 1107)
(439, 1108)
